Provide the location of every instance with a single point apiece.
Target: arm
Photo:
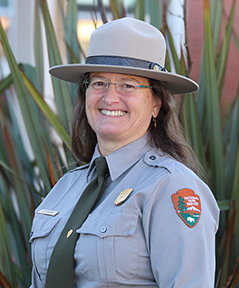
(181, 256)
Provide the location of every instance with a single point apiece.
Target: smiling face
(120, 118)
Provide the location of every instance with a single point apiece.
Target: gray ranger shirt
(162, 234)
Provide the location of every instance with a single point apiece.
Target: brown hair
(167, 136)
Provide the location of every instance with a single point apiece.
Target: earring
(155, 122)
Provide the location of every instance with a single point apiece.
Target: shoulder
(180, 186)
(65, 186)
(156, 159)
(71, 176)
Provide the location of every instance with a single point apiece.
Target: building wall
(21, 38)
(195, 40)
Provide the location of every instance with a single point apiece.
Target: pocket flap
(119, 223)
(42, 226)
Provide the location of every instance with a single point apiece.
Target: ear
(156, 107)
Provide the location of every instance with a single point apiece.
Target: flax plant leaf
(32, 125)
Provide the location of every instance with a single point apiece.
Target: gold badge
(123, 196)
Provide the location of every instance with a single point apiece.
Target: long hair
(167, 136)
(83, 138)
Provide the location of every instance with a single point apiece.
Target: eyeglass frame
(107, 83)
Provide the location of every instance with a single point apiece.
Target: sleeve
(182, 254)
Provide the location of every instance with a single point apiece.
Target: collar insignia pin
(123, 196)
(188, 206)
(69, 233)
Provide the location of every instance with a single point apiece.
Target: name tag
(48, 212)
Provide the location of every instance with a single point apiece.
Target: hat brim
(175, 83)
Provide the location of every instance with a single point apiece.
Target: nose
(111, 95)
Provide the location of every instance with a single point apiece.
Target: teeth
(113, 113)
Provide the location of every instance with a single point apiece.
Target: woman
(155, 223)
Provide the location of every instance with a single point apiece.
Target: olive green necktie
(61, 267)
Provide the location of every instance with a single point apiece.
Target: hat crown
(127, 46)
(128, 37)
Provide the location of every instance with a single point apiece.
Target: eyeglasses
(99, 85)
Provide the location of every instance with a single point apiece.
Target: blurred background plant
(25, 178)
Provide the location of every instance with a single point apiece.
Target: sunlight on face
(117, 116)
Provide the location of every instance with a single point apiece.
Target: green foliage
(27, 177)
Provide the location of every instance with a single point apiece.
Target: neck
(108, 146)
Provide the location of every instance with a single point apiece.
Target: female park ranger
(146, 219)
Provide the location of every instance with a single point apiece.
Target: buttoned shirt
(142, 242)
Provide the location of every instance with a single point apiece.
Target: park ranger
(137, 214)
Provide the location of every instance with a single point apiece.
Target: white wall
(176, 23)
(21, 40)
(21, 30)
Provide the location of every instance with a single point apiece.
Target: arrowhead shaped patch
(188, 206)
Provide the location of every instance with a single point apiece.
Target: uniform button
(152, 157)
(103, 229)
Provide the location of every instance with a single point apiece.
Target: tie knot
(101, 166)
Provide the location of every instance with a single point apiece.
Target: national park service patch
(188, 206)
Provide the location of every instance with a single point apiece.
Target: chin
(109, 134)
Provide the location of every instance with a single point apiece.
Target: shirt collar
(92, 163)
(123, 158)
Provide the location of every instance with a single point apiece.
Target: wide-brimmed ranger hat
(127, 46)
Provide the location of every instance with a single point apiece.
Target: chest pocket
(107, 249)
(41, 240)
(42, 226)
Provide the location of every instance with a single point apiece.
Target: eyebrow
(96, 76)
(124, 78)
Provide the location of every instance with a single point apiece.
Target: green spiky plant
(25, 179)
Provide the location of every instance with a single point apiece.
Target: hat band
(123, 61)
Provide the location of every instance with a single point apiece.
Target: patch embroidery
(188, 206)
